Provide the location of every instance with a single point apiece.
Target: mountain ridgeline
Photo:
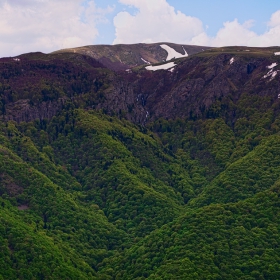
(145, 161)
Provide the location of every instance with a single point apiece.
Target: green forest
(89, 196)
(86, 194)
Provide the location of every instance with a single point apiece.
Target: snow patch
(147, 62)
(274, 73)
(231, 60)
(161, 67)
(271, 74)
(128, 71)
(277, 53)
(185, 51)
(171, 70)
(272, 65)
(16, 59)
(172, 53)
(268, 74)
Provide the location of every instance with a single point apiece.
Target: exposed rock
(21, 110)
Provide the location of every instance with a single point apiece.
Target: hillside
(140, 174)
(123, 57)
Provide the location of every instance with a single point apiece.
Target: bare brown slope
(123, 57)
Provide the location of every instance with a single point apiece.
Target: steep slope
(135, 191)
(209, 84)
(236, 161)
(37, 86)
(78, 234)
(56, 188)
(232, 241)
(121, 169)
(140, 174)
(255, 172)
(29, 253)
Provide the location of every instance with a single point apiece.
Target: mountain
(124, 57)
(205, 83)
(165, 171)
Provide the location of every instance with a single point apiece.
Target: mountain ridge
(123, 56)
(195, 84)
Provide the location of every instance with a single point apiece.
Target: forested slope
(221, 241)
(91, 189)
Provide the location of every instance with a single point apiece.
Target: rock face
(37, 86)
(198, 86)
(22, 110)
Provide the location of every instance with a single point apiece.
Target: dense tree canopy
(88, 194)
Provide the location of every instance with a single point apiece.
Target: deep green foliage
(230, 241)
(88, 196)
(85, 195)
(122, 170)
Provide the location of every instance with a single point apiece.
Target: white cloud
(47, 25)
(155, 21)
(275, 19)
(234, 33)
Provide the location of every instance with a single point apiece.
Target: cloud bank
(47, 25)
(157, 21)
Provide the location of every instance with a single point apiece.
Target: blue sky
(215, 12)
(212, 13)
(48, 25)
